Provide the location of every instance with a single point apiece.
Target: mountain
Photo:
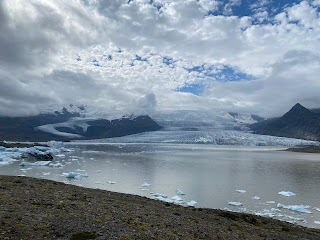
(65, 125)
(299, 122)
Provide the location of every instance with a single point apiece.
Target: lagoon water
(207, 174)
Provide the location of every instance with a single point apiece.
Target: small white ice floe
(145, 184)
(316, 222)
(46, 173)
(270, 202)
(238, 204)
(56, 165)
(287, 194)
(98, 171)
(60, 155)
(318, 209)
(39, 163)
(97, 183)
(111, 182)
(80, 170)
(191, 203)
(297, 208)
(256, 198)
(241, 191)
(21, 175)
(179, 192)
(297, 219)
(74, 175)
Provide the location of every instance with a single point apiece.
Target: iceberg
(297, 208)
(179, 192)
(235, 204)
(241, 191)
(56, 165)
(39, 163)
(145, 184)
(74, 175)
(287, 194)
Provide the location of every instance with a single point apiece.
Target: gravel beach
(43, 209)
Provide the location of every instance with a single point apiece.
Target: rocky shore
(312, 149)
(43, 209)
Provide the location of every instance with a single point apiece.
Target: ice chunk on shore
(297, 208)
(39, 163)
(179, 192)
(256, 198)
(287, 194)
(164, 199)
(177, 200)
(159, 195)
(191, 203)
(241, 191)
(235, 204)
(74, 175)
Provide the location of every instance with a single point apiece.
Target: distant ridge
(64, 126)
(298, 122)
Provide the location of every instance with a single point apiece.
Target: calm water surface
(208, 174)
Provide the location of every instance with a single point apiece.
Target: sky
(141, 56)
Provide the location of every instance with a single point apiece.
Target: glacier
(194, 127)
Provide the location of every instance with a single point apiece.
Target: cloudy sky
(138, 56)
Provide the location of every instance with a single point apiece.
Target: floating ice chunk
(145, 184)
(235, 204)
(297, 208)
(56, 165)
(191, 203)
(317, 222)
(318, 209)
(60, 155)
(287, 194)
(270, 202)
(179, 192)
(159, 195)
(256, 198)
(46, 173)
(111, 182)
(39, 163)
(98, 171)
(241, 191)
(79, 170)
(75, 175)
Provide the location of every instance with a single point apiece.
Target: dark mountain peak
(298, 110)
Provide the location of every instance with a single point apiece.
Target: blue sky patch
(196, 89)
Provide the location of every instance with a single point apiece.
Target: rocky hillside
(299, 122)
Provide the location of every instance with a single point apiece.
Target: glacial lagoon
(235, 178)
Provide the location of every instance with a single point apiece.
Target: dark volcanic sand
(43, 209)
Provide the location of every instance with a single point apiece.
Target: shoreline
(34, 208)
(312, 149)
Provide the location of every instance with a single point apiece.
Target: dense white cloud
(133, 55)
